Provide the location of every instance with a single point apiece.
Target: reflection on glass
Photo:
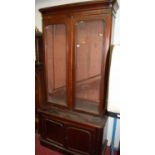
(89, 48)
(56, 44)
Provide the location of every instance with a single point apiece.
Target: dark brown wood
(70, 66)
(54, 131)
(76, 127)
(38, 47)
(79, 140)
(71, 132)
(72, 116)
(105, 65)
(38, 86)
(98, 4)
(39, 82)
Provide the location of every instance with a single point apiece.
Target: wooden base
(65, 151)
(72, 133)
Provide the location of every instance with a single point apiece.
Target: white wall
(116, 28)
(114, 82)
(114, 99)
(113, 94)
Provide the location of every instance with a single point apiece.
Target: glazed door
(56, 60)
(90, 38)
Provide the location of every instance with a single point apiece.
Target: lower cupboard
(71, 136)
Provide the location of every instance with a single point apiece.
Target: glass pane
(89, 47)
(56, 45)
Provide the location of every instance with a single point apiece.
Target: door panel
(54, 131)
(79, 140)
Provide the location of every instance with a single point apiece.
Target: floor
(40, 150)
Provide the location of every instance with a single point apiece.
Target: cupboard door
(89, 49)
(54, 131)
(79, 140)
(56, 63)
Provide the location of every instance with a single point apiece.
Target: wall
(113, 94)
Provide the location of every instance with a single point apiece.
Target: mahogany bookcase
(76, 43)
